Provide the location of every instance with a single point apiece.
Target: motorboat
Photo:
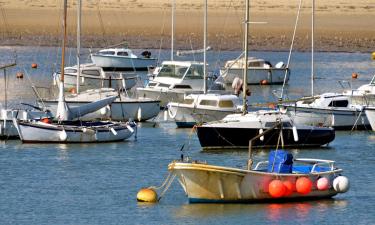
(370, 113)
(92, 76)
(173, 80)
(235, 130)
(200, 108)
(260, 71)
(123, 108)
(122, 59)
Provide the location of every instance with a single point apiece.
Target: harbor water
(98, 183)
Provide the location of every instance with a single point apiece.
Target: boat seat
(304, 169)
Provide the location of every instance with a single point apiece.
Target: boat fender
(170, 113)
(139, 114)
(303, 185)
(341, 184)
(290, 187)
(261, 132)
(113, 131)
(322, 184)
(34, 65)
(280, 65)
(276, 188)
(63, 136)
(165, 115)
(295, 133)
(130, 128)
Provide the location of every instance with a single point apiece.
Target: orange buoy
(46, 120)
(263, 82)
(19, 75)
(276, 188)
(147, 195)
(303, 185)
(290, 187)
(73, 90)
(322, 183)
(354, 75)
(34, 65)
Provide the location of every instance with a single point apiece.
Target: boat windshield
(174, 71)
(195, 72)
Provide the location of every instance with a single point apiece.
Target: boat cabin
(121, 52)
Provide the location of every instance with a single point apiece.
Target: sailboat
(342, 111)
(123, 108)
(173, 80)
(235, 130)
(67, 130)
(205, 107)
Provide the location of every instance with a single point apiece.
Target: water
(98, 183)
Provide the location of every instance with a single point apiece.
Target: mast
(172, 30)
(312, 46)
(246, 33)
(79, 11)
(205, 48)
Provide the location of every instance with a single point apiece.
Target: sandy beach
(340, 25)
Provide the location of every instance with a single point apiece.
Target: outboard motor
(146, 54)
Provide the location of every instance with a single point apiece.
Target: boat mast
(79, 11)
(205, 48)
(63, 44)
(172, 31)
(312, 46)
(246, 33)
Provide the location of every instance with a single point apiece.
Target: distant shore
(343, 26)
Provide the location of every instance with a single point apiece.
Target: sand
(340, 25)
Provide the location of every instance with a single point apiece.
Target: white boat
(260, 71)
(173, 80)
(92, 76)
(200, 108)
(123, 108)
(66, 130)
(122, 59)
(329, 109)
(370, 113)
(305, 179)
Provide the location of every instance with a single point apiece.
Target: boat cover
(280, 161)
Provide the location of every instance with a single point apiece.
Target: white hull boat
(122, 109)
(78, 132)
(173, 80)
(200, 108)
(370, 113)
(92, 76)
(259, 72)
(122, 59)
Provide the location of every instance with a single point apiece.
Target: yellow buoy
(147, 195)
(373, 56)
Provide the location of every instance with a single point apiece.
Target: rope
(166, 185)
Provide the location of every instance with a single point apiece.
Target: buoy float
(341, 184)
(276, 188)
(46, 120)
(73, 90)
(147, 195)
(373, 56)
(34, 65)
(354, 75)
(263, 82)
(303, 185)
(139, 114)
(261, 132)
(19, 75)
(290, 187)
(322, 183)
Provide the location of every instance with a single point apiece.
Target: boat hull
(257, 75)
(211, 137)
(214, 184)
(370, 113)
(31, 132)
(111, 63)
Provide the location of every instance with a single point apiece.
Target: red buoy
(354, 75)
(263, 82)
(290, 187)
(34, 65)
(303, 185)
(276, 188)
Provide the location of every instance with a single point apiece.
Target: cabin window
(107, 53)
(70, 71)
(195, 72)
(163, 85)
(339, 103)
(182, 86)
(208, 102)
(225, 104)
(122, 53)
(188, 101)
(254, 64)
(172, 71)
(91, 72)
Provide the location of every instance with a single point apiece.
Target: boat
(123, 108)
(174, 80)
(370, 113)
(92, 76)
(281, 178)
(201, 108)
(68, 129)
(112, 59)
(262, 71)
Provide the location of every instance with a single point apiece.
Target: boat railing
(317, 165)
